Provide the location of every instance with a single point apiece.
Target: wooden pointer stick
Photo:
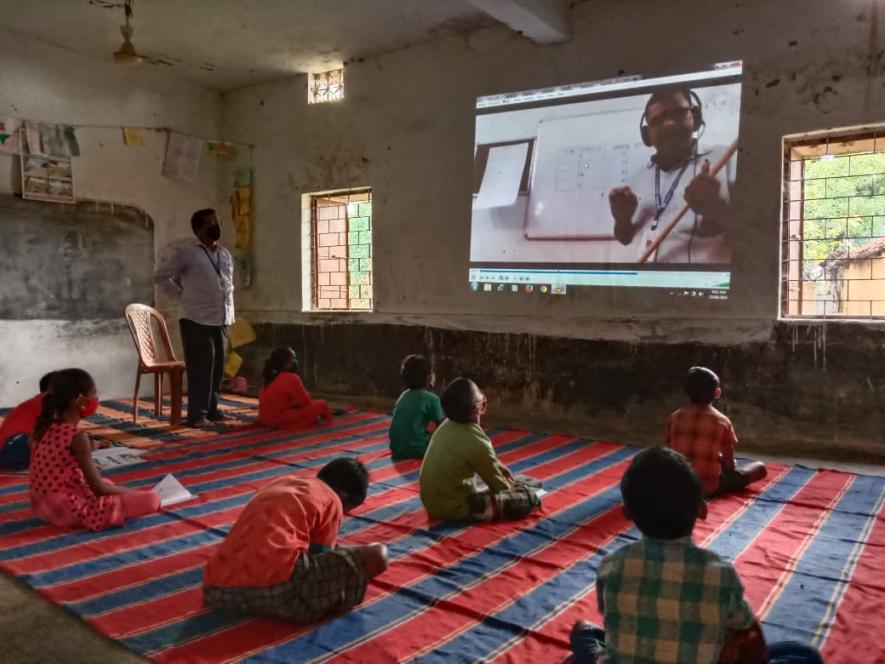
(714, 169)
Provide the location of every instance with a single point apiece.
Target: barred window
(340, 257)
(833, 236)
(327, 86)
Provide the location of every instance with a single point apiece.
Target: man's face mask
(214, 232)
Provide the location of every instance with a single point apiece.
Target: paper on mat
(116, 457)
(172, 491)
(500, 182)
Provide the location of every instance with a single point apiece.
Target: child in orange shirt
(283, 402)
(280, 559)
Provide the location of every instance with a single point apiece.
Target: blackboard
(73, 262)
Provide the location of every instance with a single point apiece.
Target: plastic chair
(139, 318)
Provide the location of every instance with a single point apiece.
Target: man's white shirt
(204, 279)
(689, 241)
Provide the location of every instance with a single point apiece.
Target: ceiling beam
(542, 21)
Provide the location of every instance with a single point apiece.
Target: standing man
(677, 171)
(202, 274)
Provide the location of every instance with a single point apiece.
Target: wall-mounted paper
(182, 157)
(241, 333)
(34, 144)
(133, 136)
(220, 149)
(233, 364)
(243, 177)
(503, 173)
(10, 135)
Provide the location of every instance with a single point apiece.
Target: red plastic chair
(140, 319)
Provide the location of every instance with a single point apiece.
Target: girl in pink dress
(284, 402)
(65, 486)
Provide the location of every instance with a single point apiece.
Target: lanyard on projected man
(661, 205)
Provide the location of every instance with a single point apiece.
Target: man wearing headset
(677, 172)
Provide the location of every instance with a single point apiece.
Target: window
(328, 86)
(833, 237)
(338, 262)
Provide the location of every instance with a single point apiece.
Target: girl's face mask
(90, 407)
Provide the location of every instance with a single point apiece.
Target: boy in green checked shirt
(665, 600)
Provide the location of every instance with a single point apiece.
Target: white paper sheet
(182, 157)
(32, 138)
(172, 491)
(500, 182)
(116, 457)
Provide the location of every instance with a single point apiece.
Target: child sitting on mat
(279, 559)
(415, 409)
(283, 402)
(458, 449)
(17, 427)
(665, 600)
(706, 437)
(66, 488)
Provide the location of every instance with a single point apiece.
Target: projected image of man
(678, 173)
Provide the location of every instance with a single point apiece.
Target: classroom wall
(406, 129)
(615, 390)
(48, 84)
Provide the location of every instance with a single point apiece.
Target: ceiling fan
(127, 54)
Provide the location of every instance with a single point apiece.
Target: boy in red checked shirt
(706, 437)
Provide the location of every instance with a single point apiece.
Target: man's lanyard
(661, 206)
(215, 266)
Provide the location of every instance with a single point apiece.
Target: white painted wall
(49, 84)
(406, 129)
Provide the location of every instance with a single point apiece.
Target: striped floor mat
(113, 422)
(809, 546)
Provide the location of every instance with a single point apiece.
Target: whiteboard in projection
(579, 159)
(573, 175)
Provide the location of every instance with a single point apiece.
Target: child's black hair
(661, 493)
(44, 382)
(700, 385)
(349, 476)
(277, 361)
(415, 369)
(64, 386)
(198, 216)
(457, 400)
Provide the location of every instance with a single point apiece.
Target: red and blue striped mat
(809, 546)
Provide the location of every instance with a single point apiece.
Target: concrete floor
(36, 631)
(33, 630)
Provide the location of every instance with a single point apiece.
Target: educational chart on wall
(627, 182)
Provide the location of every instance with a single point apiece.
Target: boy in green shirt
(415, 409)
(458, 449)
